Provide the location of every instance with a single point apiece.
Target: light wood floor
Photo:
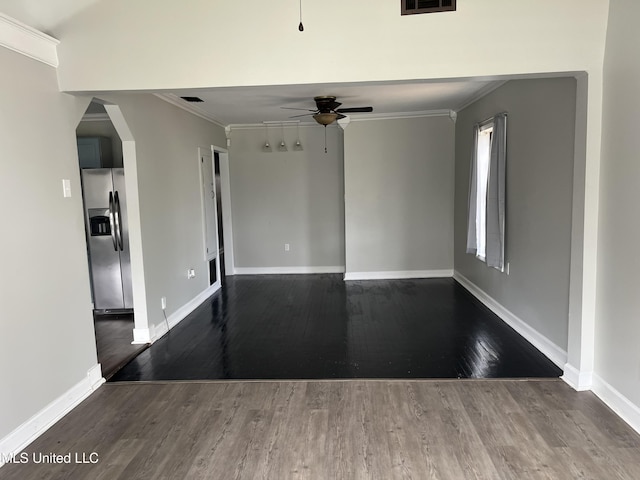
(354, 429)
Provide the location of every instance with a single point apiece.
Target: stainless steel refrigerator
(105, 209)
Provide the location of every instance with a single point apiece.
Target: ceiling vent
(411, 7)
(192, 99)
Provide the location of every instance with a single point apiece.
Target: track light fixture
(298, 145)
(266, 148)
(283, 146)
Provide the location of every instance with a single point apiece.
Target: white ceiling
(250, 105)
(44, 15)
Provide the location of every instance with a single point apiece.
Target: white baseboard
(620, 404)
(141, 336)
(580, 381)
(552, 351)
(286, 270)
(396, 275)
(157, 331)
(26, 433)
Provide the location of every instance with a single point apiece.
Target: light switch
(66, 187)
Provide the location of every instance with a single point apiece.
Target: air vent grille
(410, 7)
(192, 99)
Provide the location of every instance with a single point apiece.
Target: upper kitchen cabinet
(95, 152)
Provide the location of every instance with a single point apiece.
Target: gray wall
(47, 343)
(287, 197)
(47, 324)
(171, 222)
(540, 143)
(399, 194)
(617, 356)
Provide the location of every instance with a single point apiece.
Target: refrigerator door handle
(112, 222)
(118, 220)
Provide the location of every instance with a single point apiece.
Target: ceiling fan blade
(303, 109)
(334, 105)
(355, 110)
(303, 115)
(340, 116)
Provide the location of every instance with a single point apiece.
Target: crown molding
(227, 133)
(275, 124)
(480, 93)
(28, 41)
(350, 118)
(189, 107)
(344, 122)
(96, 117)
(399, 115)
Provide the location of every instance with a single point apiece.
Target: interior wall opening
(104, 193)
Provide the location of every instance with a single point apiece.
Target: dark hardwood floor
(319, 327)
(114, 333)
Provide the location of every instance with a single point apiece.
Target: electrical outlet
(191, 273)
(287, 247)
(163, 303)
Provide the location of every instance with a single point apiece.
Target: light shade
(298, 145)
(325, 118)
(266, 148)
(282, 147)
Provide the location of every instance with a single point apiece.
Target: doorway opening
(220, 230)
(214, 168)
(104, 194)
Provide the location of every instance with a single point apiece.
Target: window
(483, 158)
(410, 7)
(487, 192)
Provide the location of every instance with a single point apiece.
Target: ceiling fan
(327, 110)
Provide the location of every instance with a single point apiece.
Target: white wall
(167, 45)
(618, 303)
(168, 169)
(540, 151)
(47, 343)
(399, 194)
(287, 197)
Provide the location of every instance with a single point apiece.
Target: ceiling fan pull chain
(325, 139)
(301, 27)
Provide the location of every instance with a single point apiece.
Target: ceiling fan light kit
(325, 118)
(327, 112)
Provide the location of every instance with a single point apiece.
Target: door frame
(204, 198)
(141, 331)
(225, 200)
